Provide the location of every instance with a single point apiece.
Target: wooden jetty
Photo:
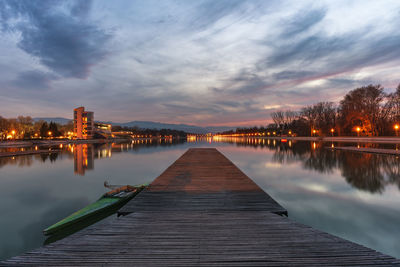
(202, 211)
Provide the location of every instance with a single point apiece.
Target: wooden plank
(203, 179)
(193, 216)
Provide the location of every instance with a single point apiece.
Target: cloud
(209, 12)
(34, 80)
(61, 37)
(309, 49)
(292, 74)
(195, 62)
(302, 22)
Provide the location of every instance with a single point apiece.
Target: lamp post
(13, 134)
(314, 132)
(358, 131)
(396, 128)
(332, 131)
(290, 133)
(50, 133)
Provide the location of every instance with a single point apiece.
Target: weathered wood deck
(202, 211)
(203, 180)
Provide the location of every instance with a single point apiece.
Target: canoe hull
(104, 204)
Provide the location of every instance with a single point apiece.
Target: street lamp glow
(396, 127)
(358, 129)
(49, 132)
(13, 132)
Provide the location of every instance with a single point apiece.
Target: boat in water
(107, 204)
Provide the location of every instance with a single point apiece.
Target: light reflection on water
(352, 195)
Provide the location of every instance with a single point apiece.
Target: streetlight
(332, 131)
(396, 128)
(290, 132)
(358, 129)
(314, 131)
(49, 133)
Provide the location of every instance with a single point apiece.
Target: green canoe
(109, 201)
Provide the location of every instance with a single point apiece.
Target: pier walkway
(202, 211)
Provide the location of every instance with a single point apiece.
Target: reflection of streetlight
(358, 129)
(396, 128)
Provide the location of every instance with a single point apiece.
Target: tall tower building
(83, 123)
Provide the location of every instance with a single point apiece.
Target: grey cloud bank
(194, 62)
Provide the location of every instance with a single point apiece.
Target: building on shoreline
(83, 123)
(103, 130)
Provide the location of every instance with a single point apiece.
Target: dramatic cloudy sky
(199, 62)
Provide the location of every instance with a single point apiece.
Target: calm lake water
(352, 195)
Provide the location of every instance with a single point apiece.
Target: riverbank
(369, 150)
(30, 143)
(29, 152)
(348, 139)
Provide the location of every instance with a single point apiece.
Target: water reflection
(368, 172)
(83, 158)
(364, 171)
(38, 190)
(352, 195)
(83, 155)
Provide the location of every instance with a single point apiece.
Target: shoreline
(382, 151)
(349, 139)
(30, 143)
(26, 153)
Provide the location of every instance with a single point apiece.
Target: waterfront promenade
(202, 211)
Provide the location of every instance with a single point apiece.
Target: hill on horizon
(153, 125)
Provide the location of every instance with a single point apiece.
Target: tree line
(26, 128)
(150, 132)
(364, 111)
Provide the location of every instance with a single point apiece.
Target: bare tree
(310, 115)
(290, 116)
(363, 107)
(279, 119)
